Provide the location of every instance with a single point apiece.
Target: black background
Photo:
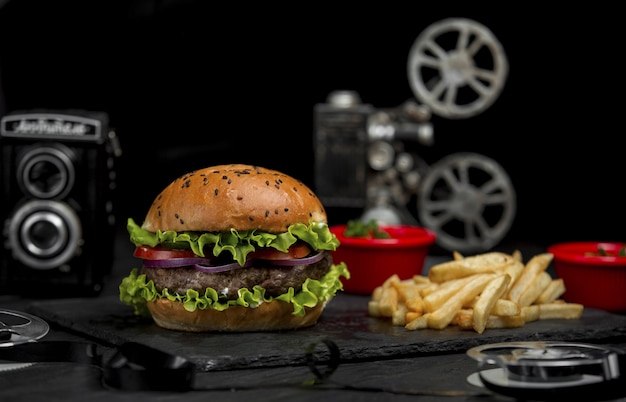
(189, 85)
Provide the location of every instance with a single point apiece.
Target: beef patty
(275, 280)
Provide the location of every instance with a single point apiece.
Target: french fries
(462, 267)
(441, 317)
(490, 290)
(487, 300)
(534, 267)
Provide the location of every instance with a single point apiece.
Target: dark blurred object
(58, 180)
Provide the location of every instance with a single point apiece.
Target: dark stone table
(377, 361)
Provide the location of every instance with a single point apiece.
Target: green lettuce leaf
(135, 291)
(238, 243)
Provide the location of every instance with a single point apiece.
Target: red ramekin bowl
(593, 280)
(372, 261)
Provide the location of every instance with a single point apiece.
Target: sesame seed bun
(238, 196)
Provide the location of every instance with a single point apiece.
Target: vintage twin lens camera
(57, 177)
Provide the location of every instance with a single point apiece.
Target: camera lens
(381, 155)
(46, 171)
(45, 234)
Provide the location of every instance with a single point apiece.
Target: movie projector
(457, 69)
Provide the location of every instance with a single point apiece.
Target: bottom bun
(271, 316)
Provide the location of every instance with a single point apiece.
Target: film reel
(457, 67)
(548, 370)
(468, 200)
(17, 327)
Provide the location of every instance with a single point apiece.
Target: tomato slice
(160, 253)
(298, 250)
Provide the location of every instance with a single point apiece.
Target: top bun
(237, 196)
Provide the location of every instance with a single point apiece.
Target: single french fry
(530, 313)
(409, 295)
(415, 305)
(428, 289)
(504, 308)
(517, 255)
(444, 291)
(532, 292)
(420, 322)
(457, 256)
(553, 291)
(470, 304)
(398, 317)
(481, 263)
(388, 302)
(441, 317)
(407, 291)
(487, 299)
(561, 311)
(378, 291)
(514, 270)
(511, 321)
(392, 279)
(421, 280)
(536, 265)
(411, 315)
(464, 319)
(373, 308)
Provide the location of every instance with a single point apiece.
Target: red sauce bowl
(592, 280)
(372, 261)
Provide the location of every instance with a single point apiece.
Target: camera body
(57, 178)
(365, 157)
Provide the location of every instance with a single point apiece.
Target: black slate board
(345, 321)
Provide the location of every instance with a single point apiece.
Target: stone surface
(345, 322)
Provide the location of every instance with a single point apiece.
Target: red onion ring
(297, 261)
(204, 264)
(221, 268)
(175, 262)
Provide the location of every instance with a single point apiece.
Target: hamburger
(233, 248)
